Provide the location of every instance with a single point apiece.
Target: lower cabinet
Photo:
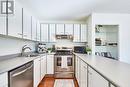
(43, 66)
(37, 76)
(50, 64)
(96, 80)
(77, 70)
(4, 80)
(83, 75)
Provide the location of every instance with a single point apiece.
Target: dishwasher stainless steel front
(22, 76)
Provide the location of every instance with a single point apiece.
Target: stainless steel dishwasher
(22, 76)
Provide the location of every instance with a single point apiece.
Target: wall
(12, 46)
(123, 21)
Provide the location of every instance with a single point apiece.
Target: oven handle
(16, 74)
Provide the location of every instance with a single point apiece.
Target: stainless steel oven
(22, 76)
(66, 71)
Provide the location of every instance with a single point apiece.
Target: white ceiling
(74, 9)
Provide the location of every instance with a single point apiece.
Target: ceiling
(64, 10)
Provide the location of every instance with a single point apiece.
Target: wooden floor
(49, 82)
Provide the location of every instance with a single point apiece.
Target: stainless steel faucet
(23, 50)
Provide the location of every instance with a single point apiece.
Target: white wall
(12, 46)
(123, 20)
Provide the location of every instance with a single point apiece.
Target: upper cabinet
(26, 24)
(34, 29)
(69, 29)
(60, 28)
(76, 33)
(44, 32)
(15, 21)
(52, 32)
(83, 33)
(3, 22)
(38, 31)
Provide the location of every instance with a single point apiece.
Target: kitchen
(71, 48)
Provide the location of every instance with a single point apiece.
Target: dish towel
(64, 62)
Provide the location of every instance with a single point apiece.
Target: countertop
(115, 71)
(9, 64)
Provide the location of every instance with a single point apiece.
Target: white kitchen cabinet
(60, 29)
(50, 64)
(3, 25)
(43, 66)
(77, 71)
(76, 33)
(83, 33)
(15, 21)
(83, 75)
(37, 73)
(69, 29)
(26, 25)
(34, 29)
(44, 32)
(95, 79)
(52, 33)
(4, 80)
(38, 31)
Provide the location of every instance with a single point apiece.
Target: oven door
(58, 64)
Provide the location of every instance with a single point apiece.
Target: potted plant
(89, 51)
(49, 50)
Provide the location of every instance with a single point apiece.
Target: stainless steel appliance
(60, 70)
(22, 76)
(79, 49)
(70, 37)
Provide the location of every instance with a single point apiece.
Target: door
(34, 29)
(60, 29)
(83, 74)
(26, 25)
(43, 66)
(50, 64)
(15, 21)
(38, 31)
(3, 22)
(96, 80)
(76, 33)
(83, 33)
(69, 29)
(52, 33)
(37, 74)
(44, 32)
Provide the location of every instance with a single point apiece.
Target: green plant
(49, 49)
(88, 49)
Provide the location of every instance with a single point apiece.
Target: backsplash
(13, 46)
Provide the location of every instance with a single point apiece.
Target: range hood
(68, 37)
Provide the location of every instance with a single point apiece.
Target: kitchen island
(114, 72)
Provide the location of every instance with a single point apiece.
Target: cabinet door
(43, 66)
(76, 33)
(50, 64)
(96, 80)
(26, 25)
(52, 33)
(3, 22)
(34, 29)
(69, 29)
(4, 80)
(60, 28)
(38, 31)
(77, 71)
(44, 32)
(15, 22)
(37, 76)
(83, 75)
(83, 33)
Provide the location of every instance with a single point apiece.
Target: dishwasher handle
(18, 73)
